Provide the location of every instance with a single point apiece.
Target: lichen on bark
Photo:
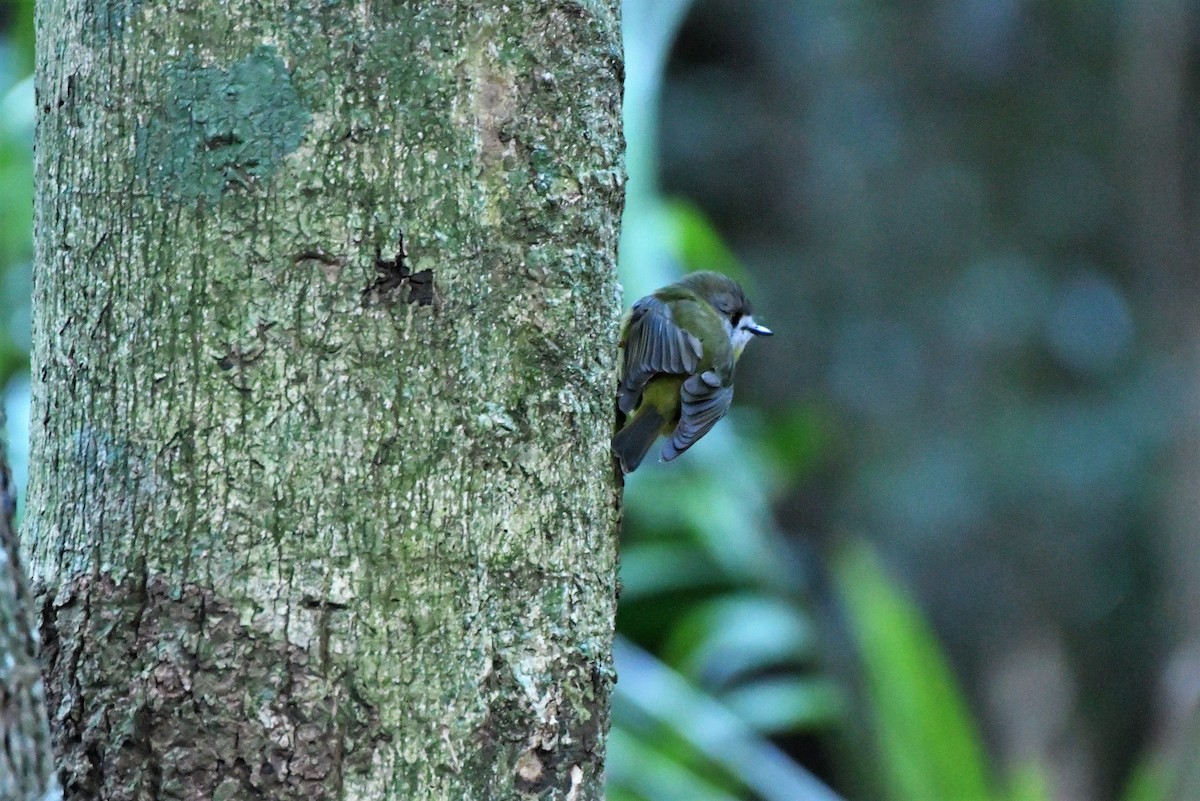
(289, 529)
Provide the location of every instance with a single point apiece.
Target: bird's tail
(632, 443)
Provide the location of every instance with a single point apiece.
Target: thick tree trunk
(310, 520)
(26, 765)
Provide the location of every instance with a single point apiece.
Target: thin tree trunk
(26, 764)
(1159, 45)
(309, 519)
(1159, 128)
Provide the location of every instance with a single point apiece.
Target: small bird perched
(678, 349)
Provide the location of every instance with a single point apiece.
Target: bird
(678, 348)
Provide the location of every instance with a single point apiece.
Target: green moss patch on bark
(221, 129)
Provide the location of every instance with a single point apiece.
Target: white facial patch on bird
(739, 339)
(746, 330)
(742, 334)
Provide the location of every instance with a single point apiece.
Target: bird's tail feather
(632, 443)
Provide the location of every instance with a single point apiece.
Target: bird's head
(724, 295)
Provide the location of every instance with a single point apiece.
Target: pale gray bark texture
(26, 764)
(305, 525)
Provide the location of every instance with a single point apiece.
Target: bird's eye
(735, 318)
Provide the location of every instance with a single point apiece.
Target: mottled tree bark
(26, 764)
(310, 519)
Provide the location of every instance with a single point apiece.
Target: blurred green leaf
(696, 243)
(798, 437)
(649, 689)
(16, 174)
(654, 568)
(786, 704)
(22, 32)
(928, 743)
(648, 30)
(1149, 780)
(637, 769)
(1028, 783)
(718, 494)
(733, 635)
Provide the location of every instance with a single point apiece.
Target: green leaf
(721, 501)
(799, 437)
(734, 635)
(786, 704)
(696, 243)
(656, 568)
(648, 29)
(649, 691)
(637, 768)
(1028, 783)
(928, 744)
(21, 32)
(1150, 780)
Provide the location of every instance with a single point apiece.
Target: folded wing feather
(653, 344)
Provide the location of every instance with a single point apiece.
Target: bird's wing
(653, 344)
(705, 401)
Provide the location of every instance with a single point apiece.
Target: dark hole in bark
(397, 274)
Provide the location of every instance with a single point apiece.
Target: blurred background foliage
(947, 546)
(16, 222)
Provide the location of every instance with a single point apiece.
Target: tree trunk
(1159, 42)
(310, 519)
(26, 765)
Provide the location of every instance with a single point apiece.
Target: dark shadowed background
(948, 544)
(973, 225)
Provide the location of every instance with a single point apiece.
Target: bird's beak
(760, 330)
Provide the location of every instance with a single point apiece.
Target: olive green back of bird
(679, 347)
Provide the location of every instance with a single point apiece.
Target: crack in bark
(397, 274)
